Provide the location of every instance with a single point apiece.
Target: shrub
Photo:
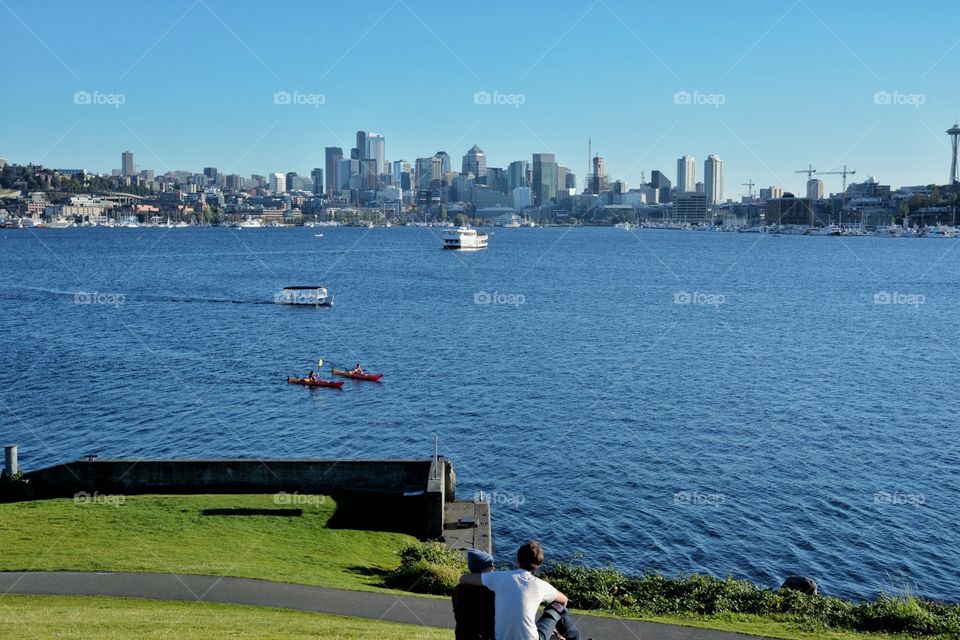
(427, 567)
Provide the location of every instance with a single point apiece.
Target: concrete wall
(411, 494)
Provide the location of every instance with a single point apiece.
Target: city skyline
(736, 89)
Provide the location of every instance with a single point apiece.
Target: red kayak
(372, 377)
(307, 382)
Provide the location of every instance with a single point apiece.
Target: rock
(801, 584)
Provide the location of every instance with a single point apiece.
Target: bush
(699, 595)
(427, 567)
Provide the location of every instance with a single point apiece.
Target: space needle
(954, 133)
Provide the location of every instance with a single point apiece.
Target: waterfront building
(814, 189)
(686, 175)
(789, 211)
(713, 179)
(690, 208)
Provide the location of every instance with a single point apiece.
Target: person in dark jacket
(473, 606)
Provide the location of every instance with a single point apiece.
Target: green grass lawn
(172, 534)
(122, 618)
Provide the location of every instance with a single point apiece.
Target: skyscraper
(544, 178)
(444, 158)
(517, 174)
(815, 189)
(686, 175)
(713, 179)
(375, 150)
(428, 170)
(662, 184)
(361, 145)
(475, 162)
(126, 164)
(596, 177)
(333, 157)
(317, 176)
(278, 182)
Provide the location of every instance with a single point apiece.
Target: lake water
(737, 404)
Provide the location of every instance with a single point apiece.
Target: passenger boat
(465, 239)
(309, 296)
(372, 377)
(307, 382)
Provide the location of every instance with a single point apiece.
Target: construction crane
(749, 185)
(843, 194)
(843, 172)
(809, 171)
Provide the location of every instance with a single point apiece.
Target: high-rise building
(126, 164)
(361, 145)
(333, 157)
(517, 174)
(444, 158)
(497, 179)
(376, 151)
(475, 162)
(571, 182)
(596, 177)
(234, 182)
(814, 189)
(662, 184)
(686, 175)
(544, 184)
(771, 193)
(562, 172)
(428, 170)
(713, 179)
(278, 182)
(522, 198)
(211, 174)
(317, 176)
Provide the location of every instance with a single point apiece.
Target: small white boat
(318, 235)
(464, 239)
(306, 296)
(250, 223)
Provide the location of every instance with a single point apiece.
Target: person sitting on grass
(473, 606)
(517, 596)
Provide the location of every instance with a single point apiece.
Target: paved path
(262, 593)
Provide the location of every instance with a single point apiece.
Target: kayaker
(357, 370)
(313, 377)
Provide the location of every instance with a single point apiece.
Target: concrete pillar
(10, 466)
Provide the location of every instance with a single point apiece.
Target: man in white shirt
(518, 595)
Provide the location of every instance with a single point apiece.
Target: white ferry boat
(464, 238)
(309, 296)
(250, 223)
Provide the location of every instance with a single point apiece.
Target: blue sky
(774, 84)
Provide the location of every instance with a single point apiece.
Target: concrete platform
(467, 525)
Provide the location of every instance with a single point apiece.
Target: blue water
(780, 423)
